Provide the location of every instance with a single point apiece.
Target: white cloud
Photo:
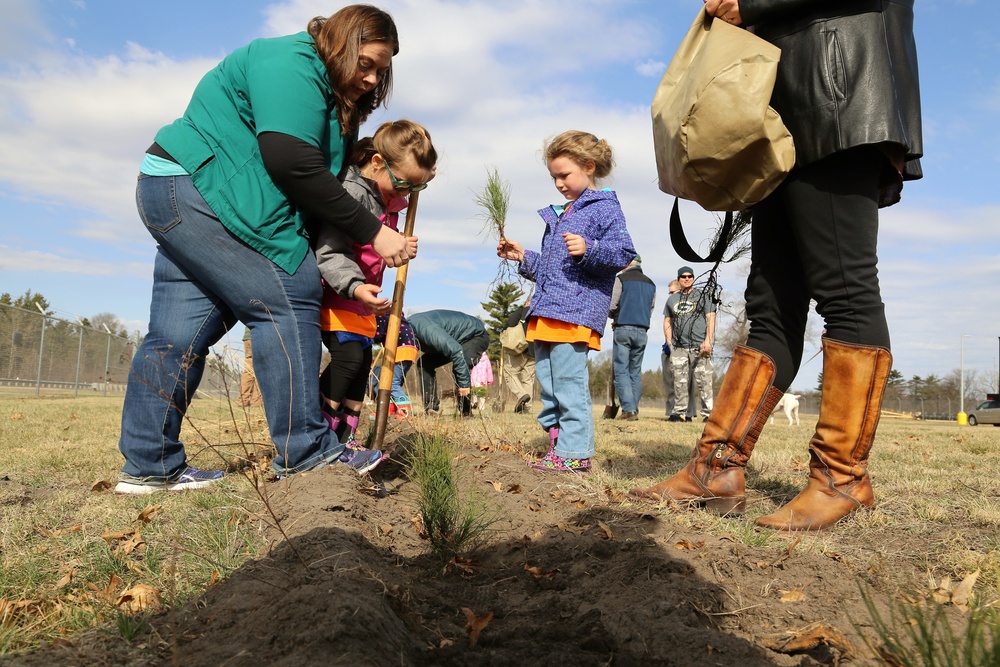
(651, 68)
(19, 259)
(74, 129)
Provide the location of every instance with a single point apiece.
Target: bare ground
(574, 575)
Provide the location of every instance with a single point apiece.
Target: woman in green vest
(229, 192)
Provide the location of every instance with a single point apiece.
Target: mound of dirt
(572, 576)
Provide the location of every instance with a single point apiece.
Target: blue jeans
(399, 370)
(628, 350)
(562, 373)
(204, 279)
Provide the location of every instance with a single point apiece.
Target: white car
(987, 413)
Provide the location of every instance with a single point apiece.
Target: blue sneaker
(190, 478)
(362, 460)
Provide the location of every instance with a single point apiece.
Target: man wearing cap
(632, 301)
(689, 327)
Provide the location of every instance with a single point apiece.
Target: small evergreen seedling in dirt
(920, 635)
(454, 521)
(494, 199)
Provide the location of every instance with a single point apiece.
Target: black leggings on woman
(815, 237)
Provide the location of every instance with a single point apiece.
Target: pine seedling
(494, 200)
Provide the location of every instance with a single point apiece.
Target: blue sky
(85, 85)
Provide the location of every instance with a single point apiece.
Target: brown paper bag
(717, 140)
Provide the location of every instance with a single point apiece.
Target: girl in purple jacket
(584, 245)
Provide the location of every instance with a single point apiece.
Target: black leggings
(815, 237)
(346, 376)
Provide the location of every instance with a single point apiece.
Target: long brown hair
(395, 141)
(338, 39)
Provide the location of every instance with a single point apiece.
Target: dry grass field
(327, 568)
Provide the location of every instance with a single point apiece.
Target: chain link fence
(41, 352)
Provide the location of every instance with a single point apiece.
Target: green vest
(270, 85)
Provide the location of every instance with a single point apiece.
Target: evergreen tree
(503, 300)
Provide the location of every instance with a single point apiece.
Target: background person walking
(633, 299)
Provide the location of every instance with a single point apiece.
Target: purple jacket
(578, 289)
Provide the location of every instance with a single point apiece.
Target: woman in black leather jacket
(847, 89)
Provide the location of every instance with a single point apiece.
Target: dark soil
(572, 576)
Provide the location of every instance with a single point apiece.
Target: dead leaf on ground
(537, 572)
(110, 537)
(107, 593)
(475, 624)
(960, 596)
(139, 598)
(497, 485)
(149, 513)
(686, 545)
(809, 638)
(17, 416)
(608, 535)
(792, 596)
(100, 485)
(418, 525)
(128, 541)
(534, 507)
(135, 567)
(514, 488)
(66, 579)
(466, 565)
(572, 528)
(386, 529)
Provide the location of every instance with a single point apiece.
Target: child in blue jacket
(584, 245)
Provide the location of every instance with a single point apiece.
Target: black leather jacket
(847, 76)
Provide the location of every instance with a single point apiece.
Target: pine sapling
(494, 200)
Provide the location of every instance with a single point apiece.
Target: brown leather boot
(854, 379)
(714, 477)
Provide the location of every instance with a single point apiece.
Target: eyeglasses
(686, 276)
(403, 186)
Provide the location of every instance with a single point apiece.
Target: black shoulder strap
(683, 248)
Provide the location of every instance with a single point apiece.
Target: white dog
(790, 404)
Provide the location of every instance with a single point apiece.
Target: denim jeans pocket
(156, 199)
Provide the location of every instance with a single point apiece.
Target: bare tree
(111, 321)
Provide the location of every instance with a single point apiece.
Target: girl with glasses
(352, 272)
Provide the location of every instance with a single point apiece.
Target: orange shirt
(544, 329)
(406, 353)
(332, 319)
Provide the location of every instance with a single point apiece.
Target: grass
(68, 553)
(920, 635)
